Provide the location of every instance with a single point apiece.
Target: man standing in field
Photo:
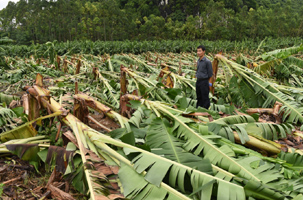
(203, 74)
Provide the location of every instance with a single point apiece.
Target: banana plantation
(126, 126)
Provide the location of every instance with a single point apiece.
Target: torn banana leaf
(26, 130)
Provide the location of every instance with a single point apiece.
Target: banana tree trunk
(124, 109)
(251, 111)
(78, 67)
(214, 77)
(261, 145)
(58, 62)
(180, 69)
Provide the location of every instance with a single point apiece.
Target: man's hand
(210, 84)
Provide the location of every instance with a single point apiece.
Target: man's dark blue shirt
(204, 69)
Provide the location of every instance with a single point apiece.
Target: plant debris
(127, 127)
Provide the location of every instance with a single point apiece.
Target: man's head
(201, 51)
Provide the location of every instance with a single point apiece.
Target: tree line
(39, 21)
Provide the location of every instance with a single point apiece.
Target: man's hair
(201, 47)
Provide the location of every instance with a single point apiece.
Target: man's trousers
(202, 90)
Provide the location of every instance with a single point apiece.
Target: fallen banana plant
(113, 97)
(175, 195)
(83, 132)
(25, 130)
(168, 149)
(265, 92)
(78, 128)
(99, 107)
(180, 80)
(197, 143)
(4, 98)
(228, 127)
(179, 156)
(7, 119)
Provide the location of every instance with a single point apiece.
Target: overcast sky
(3, 3)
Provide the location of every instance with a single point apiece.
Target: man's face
(200, 52)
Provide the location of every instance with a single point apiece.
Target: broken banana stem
(254, 142)
(260, 111)
(99, 107)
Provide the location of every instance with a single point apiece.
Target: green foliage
(159, 137)
(152, 20)
(136, 187)
(7, 119)
(161, 151)
(96, 48)
(260, 92)
(1, 188)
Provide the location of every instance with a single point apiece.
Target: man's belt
(202, 79)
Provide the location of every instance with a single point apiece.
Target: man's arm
(196, 69)
(209, 70)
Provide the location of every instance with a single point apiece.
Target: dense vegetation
(248, 46)
(40, 21)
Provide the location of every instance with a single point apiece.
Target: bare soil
(19, 180)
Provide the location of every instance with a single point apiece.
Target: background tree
(39, 21)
